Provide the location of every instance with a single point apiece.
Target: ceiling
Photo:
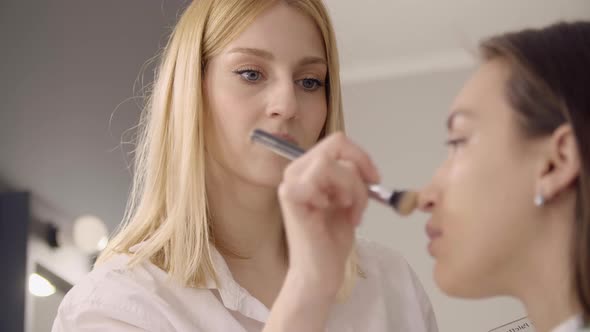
(388, 38)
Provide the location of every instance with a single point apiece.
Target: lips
(286, 137)
(433, 234)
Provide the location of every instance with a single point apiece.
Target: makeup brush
(403, 201)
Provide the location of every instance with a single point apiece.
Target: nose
(283, 101)
(427, 199)
(429, 196)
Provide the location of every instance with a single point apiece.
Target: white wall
(68, 263)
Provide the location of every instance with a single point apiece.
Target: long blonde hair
(167, 209)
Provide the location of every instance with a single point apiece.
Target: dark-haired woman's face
(481, 196)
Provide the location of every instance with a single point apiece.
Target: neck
(551, 305)
(248, 230)
(546, 284)
(246, 218)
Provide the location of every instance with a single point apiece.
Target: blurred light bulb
(102, 243)
(40, 286)
(89, 233)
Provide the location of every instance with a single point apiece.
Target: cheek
(314, 111)
(230, 115)
(232, 108)
(483, 224)
(487, 188)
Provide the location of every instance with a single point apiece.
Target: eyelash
(318, 83)
(241, 72)
(454, 143)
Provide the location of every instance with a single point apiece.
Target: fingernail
(377, 176)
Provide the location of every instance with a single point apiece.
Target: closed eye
(454, 143)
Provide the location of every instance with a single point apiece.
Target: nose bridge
(430, 195)
(283, 98)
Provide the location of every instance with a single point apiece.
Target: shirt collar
(571, 325)
(233, 296)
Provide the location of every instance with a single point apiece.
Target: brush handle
(291, 151)
(277, 145)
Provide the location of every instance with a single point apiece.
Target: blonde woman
(218, 236)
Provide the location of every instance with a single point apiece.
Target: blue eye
(250, 75)
(310, 84)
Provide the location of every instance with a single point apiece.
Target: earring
(539, 200)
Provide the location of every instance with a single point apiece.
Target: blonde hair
(167, 210)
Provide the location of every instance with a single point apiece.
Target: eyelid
(249, 66)
(455, 140)
(455, 143)
(318, 84)
(312, 74)
(310, 77)
(243, 70)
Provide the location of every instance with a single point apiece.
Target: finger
(301, 187)
(340, 180)
(314, 181)
(358, 192)
(338, 147)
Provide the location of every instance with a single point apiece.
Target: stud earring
(539, 200)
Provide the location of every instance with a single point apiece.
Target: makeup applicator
(403, 201)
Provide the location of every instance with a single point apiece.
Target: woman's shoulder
(376, 257)
(114, 290)
(387, 273)
(116, 277)
(389, 269)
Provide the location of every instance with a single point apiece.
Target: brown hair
(550, 86)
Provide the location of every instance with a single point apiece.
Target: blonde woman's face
(272, 77)
(481, 197)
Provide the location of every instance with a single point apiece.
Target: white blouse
(114, 297)
(573, 324)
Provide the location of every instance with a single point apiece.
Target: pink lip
(286, 137)
(433, 234)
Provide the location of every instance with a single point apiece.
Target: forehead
(485, 92)
(487, 83)
(283, 30)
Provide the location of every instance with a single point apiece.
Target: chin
(265, 177)
(455, 283)
(271, 180)
(263, 173)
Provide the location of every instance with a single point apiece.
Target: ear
(562, 163)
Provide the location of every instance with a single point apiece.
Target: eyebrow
(308, 60)
(253, 51)
(460, 112)
(312, 60)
